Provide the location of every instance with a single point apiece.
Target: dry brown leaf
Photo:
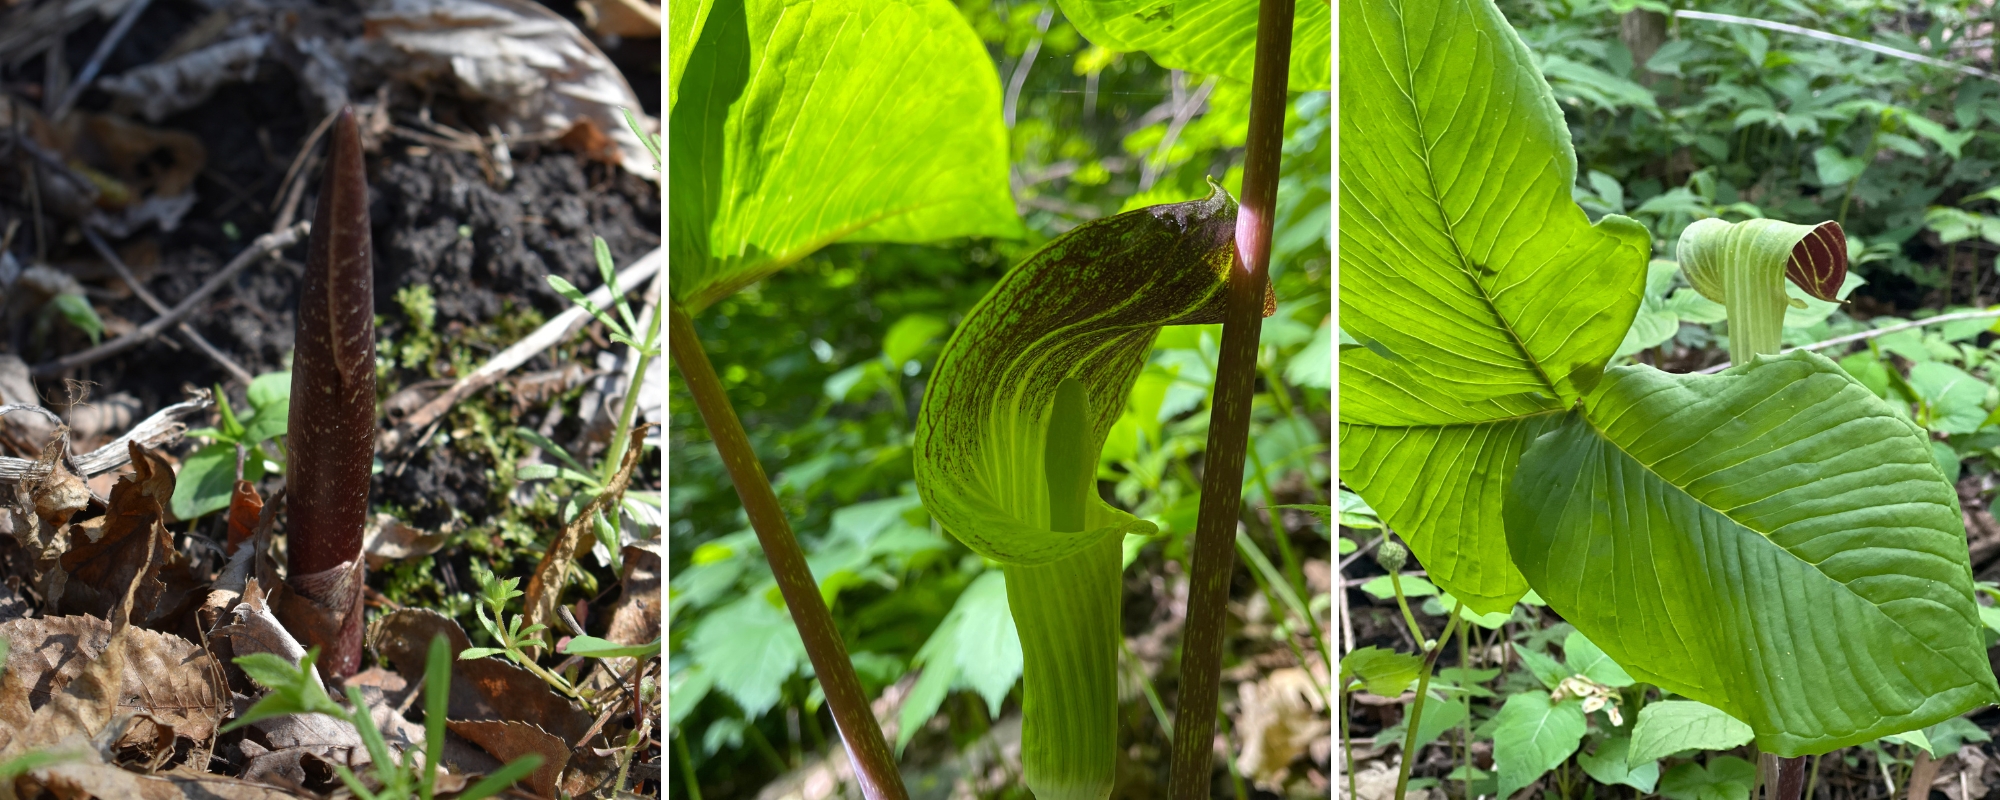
(87, 707)
(167, 682)
(545, 586)
(481, 688)
(388, 539)
(511, 740)
(1282, 715)
(635, 620)
(90, 777)
(130, 544)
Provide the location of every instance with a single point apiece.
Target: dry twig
(187, 331)
(418, 426)
(262, 246)
(160, 429)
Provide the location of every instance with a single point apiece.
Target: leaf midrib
(1451, 231)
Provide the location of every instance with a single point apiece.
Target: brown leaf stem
(874, 763)
(1214, 556)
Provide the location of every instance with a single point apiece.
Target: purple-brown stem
(874, 763)
(332, 425)
(1214, 554)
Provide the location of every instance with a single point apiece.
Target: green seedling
(255, 440)
(514, 637)
(296, 690)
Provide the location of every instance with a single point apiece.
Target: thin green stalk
(1294, 573)
(625, 764)
(1465, 694)
(1868, 155)
(1214, 553)
(1417, 705)
(630, 408)
(1268, 578)
(1396, 582)
(1271, 597)
(1812, 782)
(688, 777)
(874, 762)
(1347, 740)
(1146, 688)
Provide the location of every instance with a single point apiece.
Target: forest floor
(190, 172)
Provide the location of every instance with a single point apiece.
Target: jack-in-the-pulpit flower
(1007, 446)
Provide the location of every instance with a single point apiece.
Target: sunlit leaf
(815, 121)
(1485, 298)
(1216, 37)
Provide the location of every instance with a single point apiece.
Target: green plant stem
(625, 764)
(1347, 741)
(1294, 573)
(1417, 705)
(630, 408)
(1868, 155)
(1812, 782)
(1416, 633)
(1465, 694)
(688, 777)
(874, 762)
(1214, 553)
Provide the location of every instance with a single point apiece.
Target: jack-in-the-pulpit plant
(1007, 445)
(332, 427)
(1774, 541)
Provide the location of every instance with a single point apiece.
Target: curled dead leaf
(128, 551)
(388, 539)
(511, 740)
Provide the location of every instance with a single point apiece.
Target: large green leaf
(1486, 299)
(1012, 427)
(1215, 37)
(814, 121)
(1461, 250)
(684, 23)
(1437, 471)
(1772, 541)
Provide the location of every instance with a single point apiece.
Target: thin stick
(289, 192)
(1027, 62)
(262, 246)
(188, 332)
(104, 48)
(1866, 335)
(557, 329)
(1214, 556)
(874, 762)
(1836, 39)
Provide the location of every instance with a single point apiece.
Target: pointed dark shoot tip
(1819, 262)
(332, 430)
